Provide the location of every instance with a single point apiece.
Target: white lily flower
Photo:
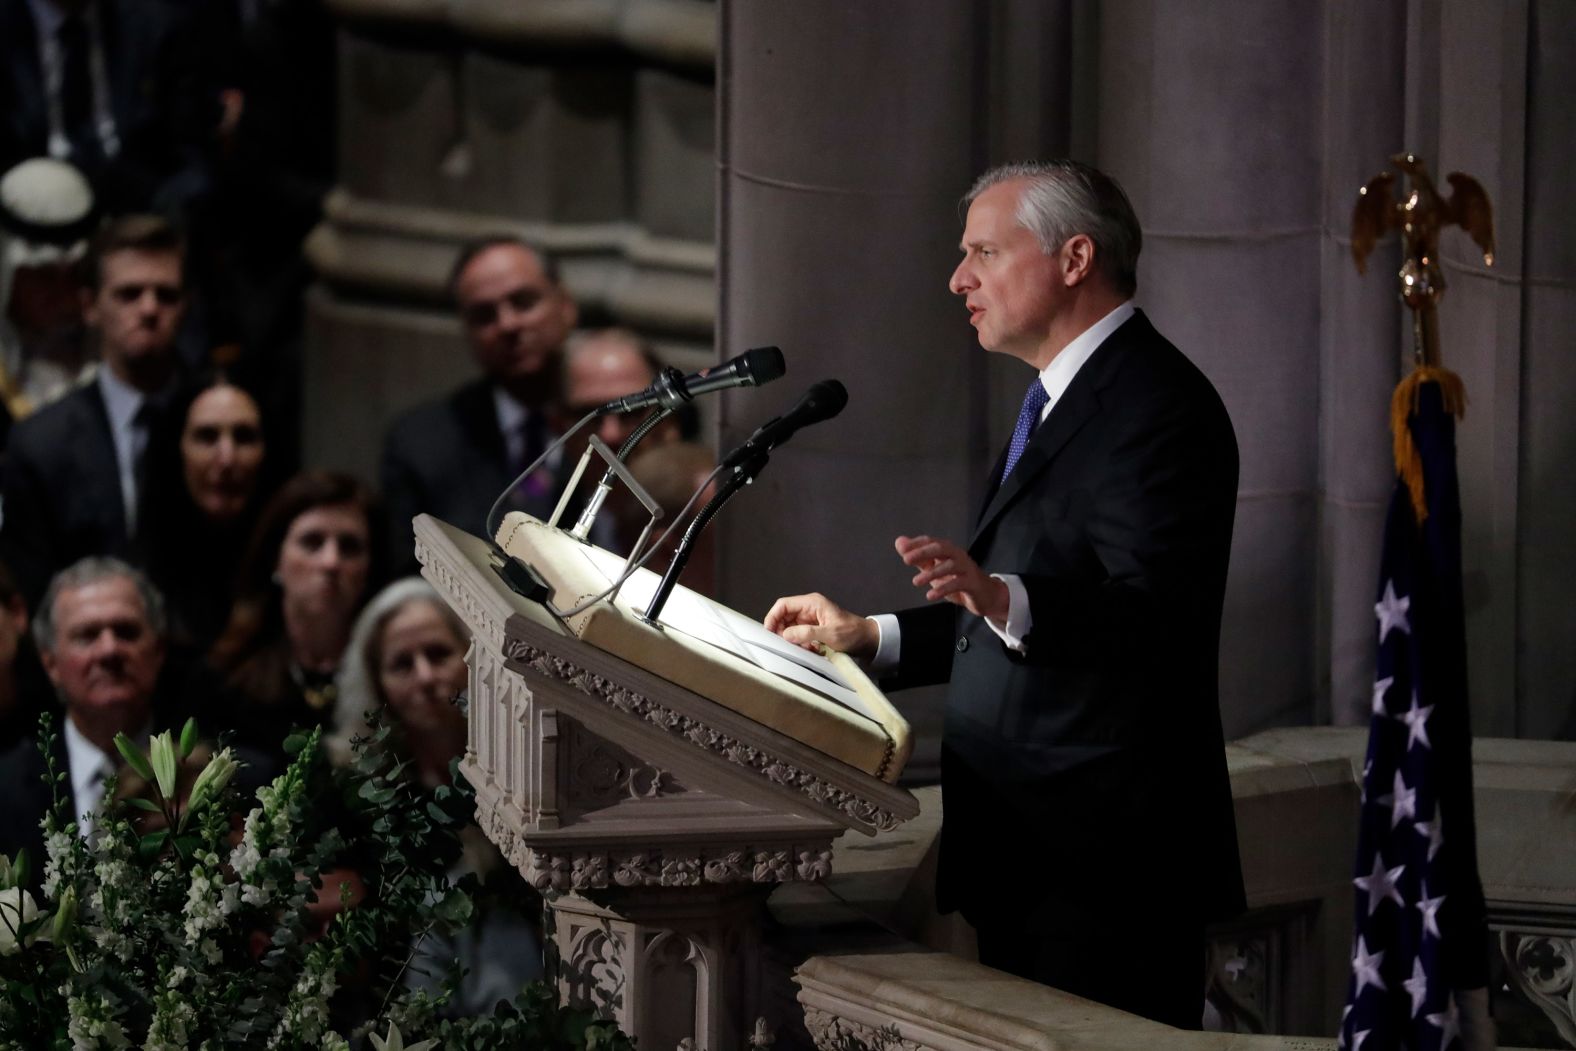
(17, 907)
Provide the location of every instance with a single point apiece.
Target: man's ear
(1077, 259)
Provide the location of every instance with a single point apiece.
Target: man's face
(515, 317)
(1013, 290)
(137, 309)
(598, 371)
(106, 656)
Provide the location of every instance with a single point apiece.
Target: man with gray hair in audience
(100, 637)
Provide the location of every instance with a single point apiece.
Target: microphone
(821, 402)
(672, 388)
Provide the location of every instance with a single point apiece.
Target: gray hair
(1066, 197)
(356, 684)
(93, 570)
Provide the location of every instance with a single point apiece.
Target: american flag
(1421, 930)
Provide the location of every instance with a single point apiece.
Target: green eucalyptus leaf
(134, 757)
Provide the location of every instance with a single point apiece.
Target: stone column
(1546, 678)
(847, 134)
(1220, 147)
(1473, 59)
(1360, 328)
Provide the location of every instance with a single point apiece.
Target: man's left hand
(947, 572)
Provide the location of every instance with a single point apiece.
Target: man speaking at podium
(1088, 831)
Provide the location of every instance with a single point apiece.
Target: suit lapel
(1077, 406)
(96, 459)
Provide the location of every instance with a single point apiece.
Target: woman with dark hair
(303, 579)
(207, 484)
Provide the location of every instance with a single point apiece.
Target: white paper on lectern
(717, 625)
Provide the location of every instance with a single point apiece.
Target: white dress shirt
(88, 768)
(123, 402)
(1055, 378)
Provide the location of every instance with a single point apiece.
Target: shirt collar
(511, 414)
(1060, 372)
(121, 399)
(84, 758)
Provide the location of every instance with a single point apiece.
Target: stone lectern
(655, 782)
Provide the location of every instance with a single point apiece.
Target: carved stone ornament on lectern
(653, 819)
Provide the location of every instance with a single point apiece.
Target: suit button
(963, 644)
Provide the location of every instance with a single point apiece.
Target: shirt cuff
(886, 658)
(1019, 620)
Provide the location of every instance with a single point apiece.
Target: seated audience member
(452, 458)
(303, 579)
(602, 366)
(24, 692)
(407, 657)
(209, 483)
(100, 636)
(46, 213)
(670, 474)
(72, 473)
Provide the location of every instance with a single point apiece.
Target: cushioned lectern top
(717, 653)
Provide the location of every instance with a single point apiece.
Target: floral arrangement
(178, 924)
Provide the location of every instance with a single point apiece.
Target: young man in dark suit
(452, 458)
(72, 470)
(1088, 832)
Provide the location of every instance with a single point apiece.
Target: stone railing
(1281, 968)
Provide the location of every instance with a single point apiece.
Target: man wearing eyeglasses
(72, 470)
(453, 457)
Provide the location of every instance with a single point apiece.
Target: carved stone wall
(584, 126)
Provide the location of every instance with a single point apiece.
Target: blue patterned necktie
(1034, 400)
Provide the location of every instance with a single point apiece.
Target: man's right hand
(814, 620)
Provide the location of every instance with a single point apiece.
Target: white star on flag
(1416, 719)
(1402, 801)
(1434, 830)
(1358, 1038)
(1449, 1023)
(1381, 688)
(1392, 611)
(1365, 966)
(1429, 907)
(1417, 985)
(1381, 885)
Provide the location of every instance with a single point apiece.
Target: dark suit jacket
(1085, 779)
(62, 498)
(448, 459)
(28, 798)
(151, 95)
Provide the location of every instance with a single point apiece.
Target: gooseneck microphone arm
(738, 478)
(671, 390)
(821, 402)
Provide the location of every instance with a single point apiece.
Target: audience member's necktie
(1034, 400)
(532, 442)
(142, 423)
(76, 87)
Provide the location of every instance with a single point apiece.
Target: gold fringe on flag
(1405, 401)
